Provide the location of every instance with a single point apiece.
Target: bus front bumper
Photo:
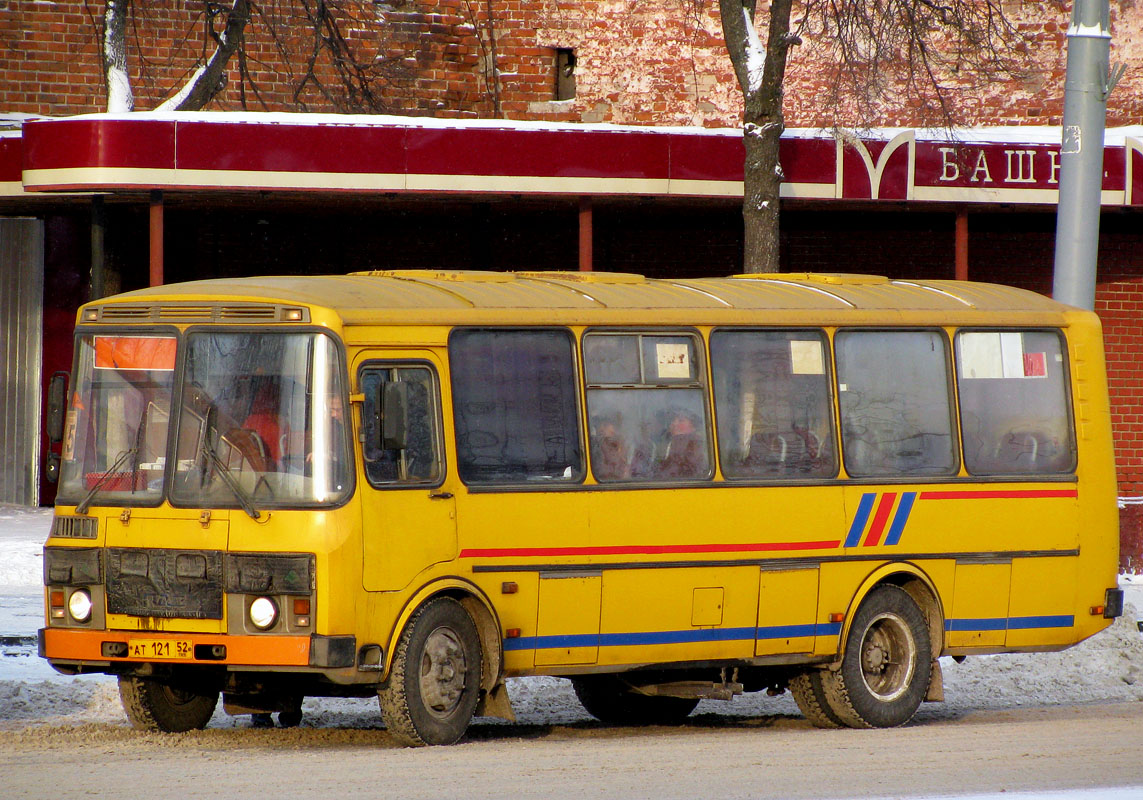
(70, 646)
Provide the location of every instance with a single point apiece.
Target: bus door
(407, 502)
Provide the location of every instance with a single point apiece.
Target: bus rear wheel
(434, 682)
(812, 701)
(887, 663)
(152, 705)
(610, 699)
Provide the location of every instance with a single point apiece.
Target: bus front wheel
(887, 663)
(434, 682)
(156, 706)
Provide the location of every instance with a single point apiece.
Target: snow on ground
(1106, 668)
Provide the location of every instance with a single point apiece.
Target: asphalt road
(943, 753)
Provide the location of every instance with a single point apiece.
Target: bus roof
(475, 297)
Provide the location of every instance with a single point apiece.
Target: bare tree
(309, 36)
(911, 53)
(210, 78)
(205, 81)
(119, 97)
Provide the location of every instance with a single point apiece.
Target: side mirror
(394, 408)
(57, 405)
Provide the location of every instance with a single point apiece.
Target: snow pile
(22, 535)
(1107, 667)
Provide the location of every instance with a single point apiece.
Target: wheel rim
(444, 669)
(888, 657)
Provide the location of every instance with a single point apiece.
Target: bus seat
(250, 446)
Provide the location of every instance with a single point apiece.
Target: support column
(962, 245)
(98, 253)
(156, 219)
(585, 234)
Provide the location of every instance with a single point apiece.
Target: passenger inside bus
(685, 453)
(265, 422)
(611, 456)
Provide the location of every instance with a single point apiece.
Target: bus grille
(151, 582)
(74, 527)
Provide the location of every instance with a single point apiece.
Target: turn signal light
(512, 633)
(56, 602)
(837, 617)
(1097, 611)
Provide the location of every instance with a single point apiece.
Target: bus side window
(515, 405)
(896, 403)
(772, 403)
(415, 460)
(1014, 403)
(646, 406)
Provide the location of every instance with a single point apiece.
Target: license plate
(160, 648)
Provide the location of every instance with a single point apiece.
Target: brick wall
(656, 62)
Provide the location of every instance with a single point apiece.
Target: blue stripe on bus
(768, 632)
(1010, 623)
(792, 631)
(626, 639)
(1051, 621)
(901, 517)
(860, 519)
(670, 637)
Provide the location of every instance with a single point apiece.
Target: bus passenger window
(515, 406)
(647, 407)
(1014, 403)
(772, 404)
(418, 461)
(895, 403)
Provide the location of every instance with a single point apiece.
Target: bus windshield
(115, 439)
(258, 422)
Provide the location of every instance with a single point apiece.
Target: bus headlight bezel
(263, 613)
(80, 606)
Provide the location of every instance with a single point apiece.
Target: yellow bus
(417, 484)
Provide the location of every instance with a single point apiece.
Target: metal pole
(1081, 153)
(98, 253)
(156, 231)
(585, 234)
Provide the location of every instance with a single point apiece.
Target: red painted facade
(297, 152)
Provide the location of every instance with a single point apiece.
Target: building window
(565, 73)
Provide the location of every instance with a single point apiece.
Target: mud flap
(495, 704)
(936, 693)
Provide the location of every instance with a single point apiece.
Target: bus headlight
(79, 605)
(263, 613)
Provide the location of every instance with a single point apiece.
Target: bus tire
(610, 699)
(886, 665)
(434, 682)
(811, 698)
(152, 705)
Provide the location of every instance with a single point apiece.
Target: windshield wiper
(83, 505)
(244, 499)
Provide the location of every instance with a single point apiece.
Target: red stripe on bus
(630, 550)
(880, 519)
(999, 494)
